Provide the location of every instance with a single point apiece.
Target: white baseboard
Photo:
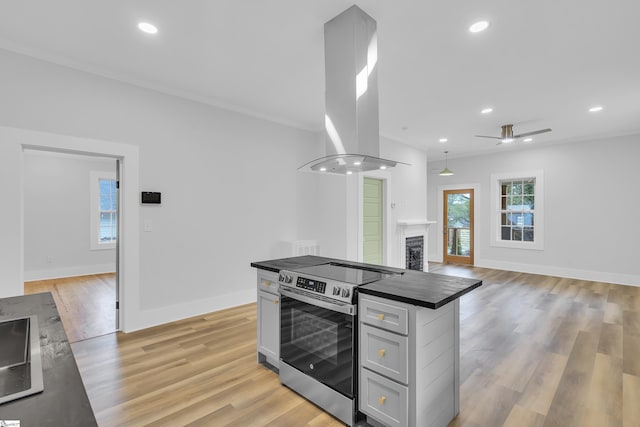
(58, 273)
(571, 273)
(159, 316)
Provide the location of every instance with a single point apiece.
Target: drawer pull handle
(267, 283)
(381, 316)
(382, 399)
(381, 352)
(275, 301)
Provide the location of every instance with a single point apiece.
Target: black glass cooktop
(343, 273)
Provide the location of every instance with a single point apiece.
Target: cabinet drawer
(390, 317)
(268, 282)
(384, 352)
(383, 399)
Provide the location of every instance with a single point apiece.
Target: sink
(20, 361)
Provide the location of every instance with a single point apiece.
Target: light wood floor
(86, 303)
(535, 351)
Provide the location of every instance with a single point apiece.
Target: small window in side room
(103, 210)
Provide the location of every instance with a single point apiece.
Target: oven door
(318, 340)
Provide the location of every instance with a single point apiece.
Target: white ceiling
(540, 64)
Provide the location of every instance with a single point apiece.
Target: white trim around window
(94, 209)
(496, 238)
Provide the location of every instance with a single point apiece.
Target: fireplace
(413, 244)
(414, 253)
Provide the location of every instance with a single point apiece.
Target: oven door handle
(340, 308)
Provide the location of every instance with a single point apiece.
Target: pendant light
(446, 171)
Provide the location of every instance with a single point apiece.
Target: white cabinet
(268, 302)
(409, 363)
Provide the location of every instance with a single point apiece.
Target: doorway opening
(372, 221)
(458, 226)
(71, 219)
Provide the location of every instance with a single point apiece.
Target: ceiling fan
(508, 136)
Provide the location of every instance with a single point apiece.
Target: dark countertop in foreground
(413, 287)
(64, 401)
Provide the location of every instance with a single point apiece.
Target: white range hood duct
(351, 96)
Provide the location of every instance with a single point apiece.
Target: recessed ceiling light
(479, 26)
(486, 110)
(145, 27)
(595, 109)
(528, 139)
(323, 169)
(383, 167)
(357, 163)
(443, 140)
(349, 173)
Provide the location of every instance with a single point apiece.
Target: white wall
(590, 208)
(57, 216)
(231, 192)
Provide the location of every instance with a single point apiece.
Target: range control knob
(336, 290)
(346, 293)
(281, 278)
(288, 278)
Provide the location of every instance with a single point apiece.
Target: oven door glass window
(318, 342)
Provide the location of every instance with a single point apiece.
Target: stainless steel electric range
(318, 334)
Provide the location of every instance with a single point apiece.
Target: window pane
(503, 219)
(527, 235)
(107, 227)
(105, 195)
(503, 203)
(528, 202)
(516, 234)
(516, 189)
(516, 203)
(506, 233)
(529, 188)
(506, 189)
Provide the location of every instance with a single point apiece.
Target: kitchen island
(64, 401)
(408, 361)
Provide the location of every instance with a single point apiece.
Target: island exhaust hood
(352, 132)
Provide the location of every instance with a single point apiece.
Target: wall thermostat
(150, 197)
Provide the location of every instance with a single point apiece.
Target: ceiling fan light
(507, 140)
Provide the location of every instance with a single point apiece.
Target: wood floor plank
(574, 384)
(630, 400)
(610, 342)
(605, 390)
(540, 390)
(523, 417)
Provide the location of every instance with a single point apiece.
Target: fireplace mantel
(410, 222)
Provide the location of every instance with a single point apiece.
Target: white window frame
(94, 210)
(538, 227)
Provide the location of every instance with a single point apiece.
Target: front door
(458, 226)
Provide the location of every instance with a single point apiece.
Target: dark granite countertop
(64, 401)
(412, 287)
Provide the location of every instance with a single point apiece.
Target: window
(104, 210)
(518, 220)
